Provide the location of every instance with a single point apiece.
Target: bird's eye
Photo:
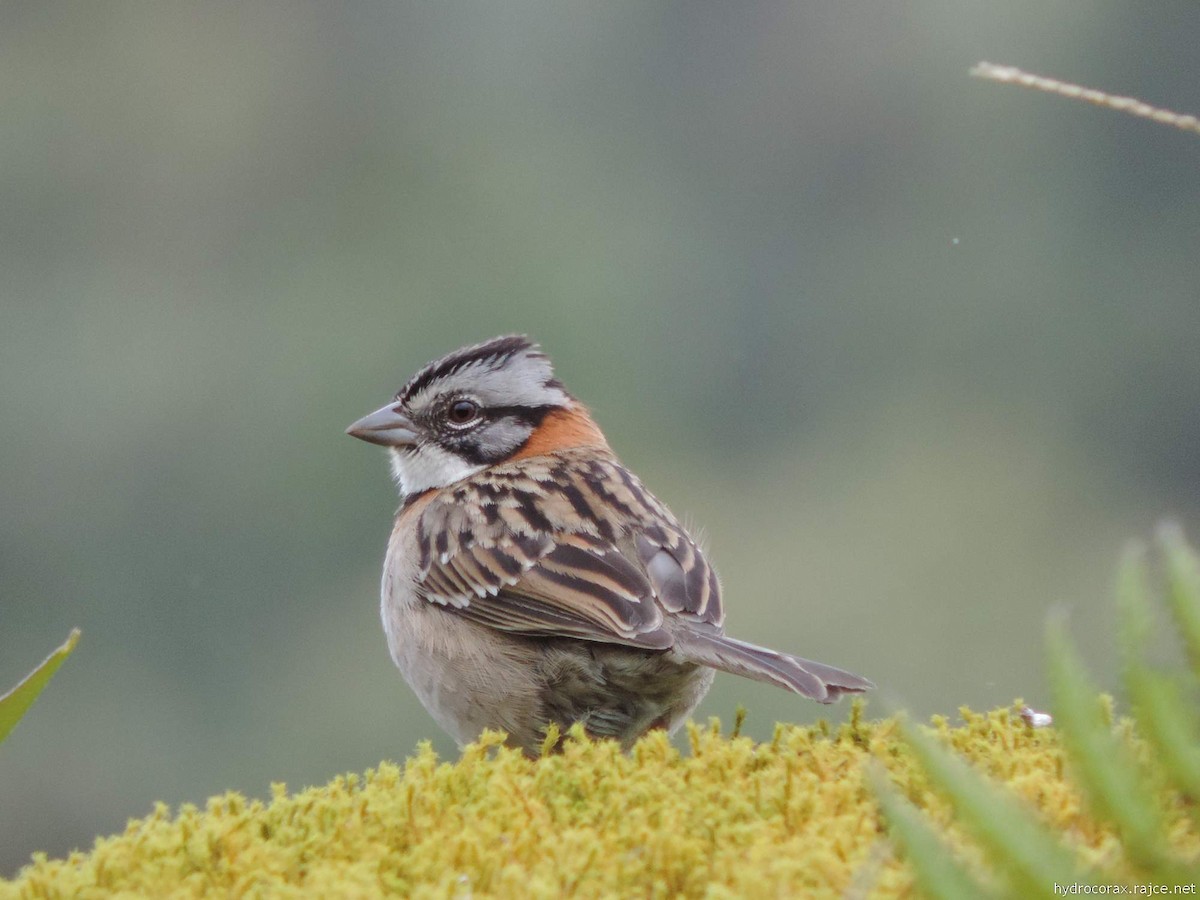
(462, 412)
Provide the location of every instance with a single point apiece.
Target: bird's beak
(387, 427)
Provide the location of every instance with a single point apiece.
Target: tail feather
(815, 680)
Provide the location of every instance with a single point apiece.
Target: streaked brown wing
(528, 584)
(512, 553)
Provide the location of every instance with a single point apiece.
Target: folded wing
(533, 585)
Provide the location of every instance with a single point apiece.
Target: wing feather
(551, 572)
(683, 581)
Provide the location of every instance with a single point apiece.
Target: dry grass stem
(1131, 105)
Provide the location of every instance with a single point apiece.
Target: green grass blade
(1105, 769)
(1167, 720)
(16, 702)
(939, 874)
(1165, 717)
(1183, 589)
(1025, 852)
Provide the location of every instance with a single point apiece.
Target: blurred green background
(918, 352)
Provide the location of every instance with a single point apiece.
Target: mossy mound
(731, 818)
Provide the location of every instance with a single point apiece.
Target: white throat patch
(429, 466)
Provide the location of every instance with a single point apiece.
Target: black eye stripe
(532, 415)
(529, 415)
(477, 443)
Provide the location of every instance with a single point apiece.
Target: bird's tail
(818, 681)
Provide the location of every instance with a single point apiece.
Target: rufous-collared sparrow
(530, 577)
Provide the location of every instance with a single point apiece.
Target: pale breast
(470, 675)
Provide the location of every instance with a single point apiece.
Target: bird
(531, 580)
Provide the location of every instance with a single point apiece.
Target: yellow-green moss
(731, 818)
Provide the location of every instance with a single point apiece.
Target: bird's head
(476, 407)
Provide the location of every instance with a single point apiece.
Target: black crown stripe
(498, 349)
